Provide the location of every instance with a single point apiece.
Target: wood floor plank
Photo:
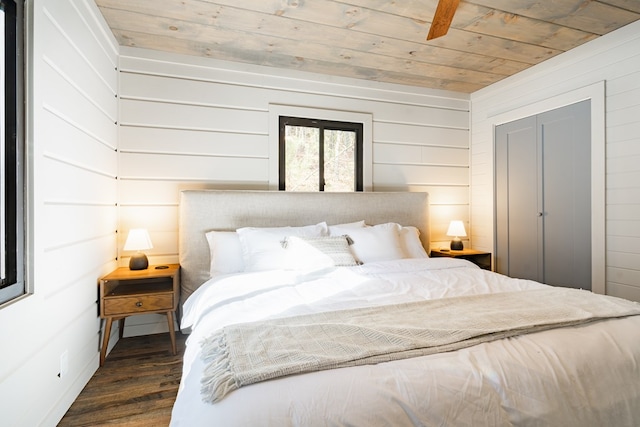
(137, 385)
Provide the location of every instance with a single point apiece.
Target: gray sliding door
(543, 202)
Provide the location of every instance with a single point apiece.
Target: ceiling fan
(442, 18)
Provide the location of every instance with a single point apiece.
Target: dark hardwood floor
(136, 386)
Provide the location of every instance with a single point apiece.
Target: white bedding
(584, 375)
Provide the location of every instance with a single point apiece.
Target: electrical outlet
(64, 364)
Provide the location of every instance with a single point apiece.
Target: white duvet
(578, 376)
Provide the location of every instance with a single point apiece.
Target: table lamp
(456, 230)
(138, 240)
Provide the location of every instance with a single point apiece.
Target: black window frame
(322, 125)
(12, 281)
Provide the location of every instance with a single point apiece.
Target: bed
(348, 322)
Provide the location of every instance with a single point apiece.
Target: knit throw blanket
(243, 354)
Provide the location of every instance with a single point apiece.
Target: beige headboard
(205, 210)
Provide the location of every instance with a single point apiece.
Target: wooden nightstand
(125, 292)
(479, 258)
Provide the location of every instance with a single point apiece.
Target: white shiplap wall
(614, 59)
(73, 191)
(200, 123)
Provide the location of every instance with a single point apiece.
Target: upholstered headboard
(205, 210)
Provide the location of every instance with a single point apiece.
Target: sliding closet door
(565, 137)
(543, 203)
(519, 250)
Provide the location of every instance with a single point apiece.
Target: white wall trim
(596, 93)
(296, 80)
(277, 110)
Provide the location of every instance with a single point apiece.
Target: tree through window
(320, 155)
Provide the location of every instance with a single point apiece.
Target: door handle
(540, 213)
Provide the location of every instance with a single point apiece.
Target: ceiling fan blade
(442, 18)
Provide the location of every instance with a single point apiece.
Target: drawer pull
(139, 304)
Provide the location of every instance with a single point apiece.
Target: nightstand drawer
(479, 258)
(137, 304)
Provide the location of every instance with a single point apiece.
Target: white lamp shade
(456, 229)
(138, 240)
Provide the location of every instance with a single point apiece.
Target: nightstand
(126, 292)
(479, 258)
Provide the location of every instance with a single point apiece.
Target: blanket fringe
(218, 379)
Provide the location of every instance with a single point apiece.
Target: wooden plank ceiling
(381, 40)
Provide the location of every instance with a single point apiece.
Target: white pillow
(377, 243)
(311, 253)
(225, 252)
(411, 244)
(262, 247)
(339, 227)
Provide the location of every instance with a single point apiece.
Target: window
(320, 155)
(12, 274)
(277, 111)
